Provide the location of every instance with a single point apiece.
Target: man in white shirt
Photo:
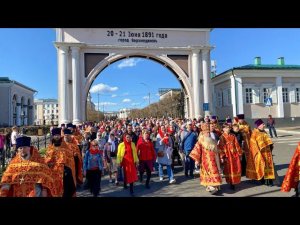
(14, 136)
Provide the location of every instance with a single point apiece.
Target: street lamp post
(98, 108)
(148, 90)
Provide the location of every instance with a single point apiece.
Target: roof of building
(7, 80)
(45, 100)
(263, 67)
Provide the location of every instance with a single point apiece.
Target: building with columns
(123, 113)
(84, 53)
(46, 112)
(16, 103)
(251, 88)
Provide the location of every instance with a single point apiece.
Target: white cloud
(113, 96)
(102, 88)
(126, 100)
(129, 63)
(105, 103)
(157, 94)
(125, 94)
(146, 97)
(135, 103)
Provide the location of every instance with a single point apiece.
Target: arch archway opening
(145, 86)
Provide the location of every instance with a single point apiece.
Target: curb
(288, 131)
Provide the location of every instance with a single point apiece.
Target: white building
(109, 115)
(123, 113)
(246, 89)
(16, 103)
(46, 112)
(168, 92)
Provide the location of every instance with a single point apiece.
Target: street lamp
(148, 90)
(98, 107)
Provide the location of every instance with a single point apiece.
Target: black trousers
(94, 181)
(69, 186)
(148, 172)
(243, 164)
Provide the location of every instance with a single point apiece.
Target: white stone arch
(177, 71)
(178, 49)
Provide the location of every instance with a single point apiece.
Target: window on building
(48, 111)
(298, 95)
(52, 111)
(249, 95)
(56, 111)
(219, 99)
(229, 96)
(266, 93)
(56, 105)
(285, 95)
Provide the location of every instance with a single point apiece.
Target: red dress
(130, 172)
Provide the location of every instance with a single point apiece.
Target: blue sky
(29, 56)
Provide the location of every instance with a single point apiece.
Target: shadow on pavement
(287, 135)
(262, 193)
(245, 184)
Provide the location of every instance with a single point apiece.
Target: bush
(42, 151)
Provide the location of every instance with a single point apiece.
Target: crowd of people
(80, 155)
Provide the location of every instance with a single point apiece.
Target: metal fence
(40, 142)
(37, 141)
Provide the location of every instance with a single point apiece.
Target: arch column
(30, 115)
(62, 81)
(206, 79)
(18, 116)
(196, 83)
(25, 111)
(76, 85)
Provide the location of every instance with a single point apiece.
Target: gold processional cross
(22, 180)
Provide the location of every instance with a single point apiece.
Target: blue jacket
(189, 142)
(91, 161)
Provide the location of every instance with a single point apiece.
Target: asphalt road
(284, 148)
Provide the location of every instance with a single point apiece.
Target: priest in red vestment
(291, 179)
(27, 175)
(206, 154)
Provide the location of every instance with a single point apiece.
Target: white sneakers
(161, 178)
(172, 181)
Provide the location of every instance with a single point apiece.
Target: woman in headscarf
(92, 167)
(128, 159)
